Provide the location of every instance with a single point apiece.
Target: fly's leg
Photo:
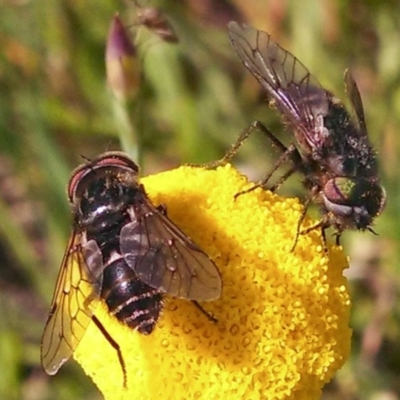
(233, 149)
(203, 311)
(290, 153)
(337, 238)
(321, 224)
(116, 347)
(282, 179)
(301, 219)
(287, 153)
(162, 208)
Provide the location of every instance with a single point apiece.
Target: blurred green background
(194, 99)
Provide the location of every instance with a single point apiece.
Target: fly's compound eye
(109, 161)
(75, 179)
(354, 196)
(115, 159)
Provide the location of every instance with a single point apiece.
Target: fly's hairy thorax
(347, 152)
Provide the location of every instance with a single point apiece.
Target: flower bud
(121, 63)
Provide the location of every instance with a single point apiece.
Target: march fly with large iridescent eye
(122, 250)
(331, 147)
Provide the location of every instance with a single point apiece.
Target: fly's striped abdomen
(132, 301)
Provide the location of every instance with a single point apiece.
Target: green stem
(126, 126)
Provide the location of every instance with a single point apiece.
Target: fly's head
(102, 185)
(353, 202)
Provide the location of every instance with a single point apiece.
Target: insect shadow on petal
(122, 250)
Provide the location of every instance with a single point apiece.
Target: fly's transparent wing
(74, 301)
(356, 102)
(165, 258)
(296, 93)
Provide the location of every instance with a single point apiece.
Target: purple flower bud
(121, 63)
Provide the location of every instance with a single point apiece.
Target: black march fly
(331, 148)
(122, 250)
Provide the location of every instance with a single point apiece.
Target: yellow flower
(283, 316)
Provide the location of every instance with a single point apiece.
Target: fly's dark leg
(115, 345)
(233, 150)
(337, 238)
(289, 153)
(162, 208)
(301, 219)
(321, 224)
(372, 231)
(275, 141)
(282, 179)
(203, 311)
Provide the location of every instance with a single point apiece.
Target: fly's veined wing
(297, 94)
(165, 258)
(72, 307)
(355, 100)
